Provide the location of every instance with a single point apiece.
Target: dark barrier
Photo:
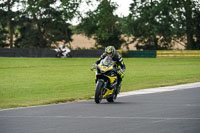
(86, 53)
(145, 53)
(17, 52)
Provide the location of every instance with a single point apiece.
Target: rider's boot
(119, 85)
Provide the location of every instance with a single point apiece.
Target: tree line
(151, 24)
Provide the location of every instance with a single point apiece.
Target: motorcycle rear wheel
(98, 92)
(112, 99)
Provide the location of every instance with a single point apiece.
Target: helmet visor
(109, 51)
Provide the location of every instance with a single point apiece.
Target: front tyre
(98, 92)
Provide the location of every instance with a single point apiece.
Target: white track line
(104, 117)
(160, 89)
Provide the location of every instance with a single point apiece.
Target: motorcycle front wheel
(99, 91)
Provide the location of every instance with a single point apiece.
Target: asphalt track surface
(176, 111)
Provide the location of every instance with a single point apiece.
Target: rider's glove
(120, 72)
(93, 66)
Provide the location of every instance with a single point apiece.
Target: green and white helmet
(110, 50)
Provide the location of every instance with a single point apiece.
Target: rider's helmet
(110, 50)
(62, 46)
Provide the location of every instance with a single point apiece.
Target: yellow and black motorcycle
(106, 80)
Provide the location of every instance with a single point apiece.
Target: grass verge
(39, 81)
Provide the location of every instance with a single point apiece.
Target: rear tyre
(110, 99)
(69, 55)
(98, 92)
(113, 98)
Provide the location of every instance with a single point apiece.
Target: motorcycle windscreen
(107, 61)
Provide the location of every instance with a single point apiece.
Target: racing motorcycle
(106, 80)
(63, 52)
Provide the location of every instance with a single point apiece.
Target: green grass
(38, 81)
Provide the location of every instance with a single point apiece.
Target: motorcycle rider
(110, 51)
(63, 51)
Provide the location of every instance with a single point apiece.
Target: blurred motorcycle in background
(63, 52)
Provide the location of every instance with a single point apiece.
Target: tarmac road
(167, 112)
